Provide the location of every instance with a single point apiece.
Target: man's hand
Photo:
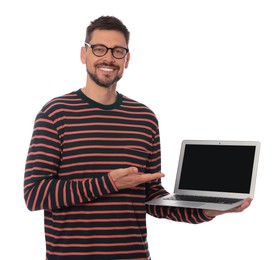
(242, 207)
(130, 177)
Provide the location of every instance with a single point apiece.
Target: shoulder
(136, 105)
(139, 111)
(67, 100)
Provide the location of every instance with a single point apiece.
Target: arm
(155, 190)
(43, 189)
(189, 215)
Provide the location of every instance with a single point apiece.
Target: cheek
(91, 63)
(122, 68)
(124, 65)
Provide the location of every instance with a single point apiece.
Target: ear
(127, 60)
(83, 55)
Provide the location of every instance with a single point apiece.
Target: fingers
(242, 207)
(126, 171)
(130, 177)
(119, 173)
(151, 177)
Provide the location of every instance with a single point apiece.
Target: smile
(106, 69)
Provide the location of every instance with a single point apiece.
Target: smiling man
(107, 72)
(106, 55)
(94, 160)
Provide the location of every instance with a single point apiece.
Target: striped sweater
(76, 142)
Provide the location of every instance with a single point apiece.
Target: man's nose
(109, 55)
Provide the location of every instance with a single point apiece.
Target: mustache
(107, 64)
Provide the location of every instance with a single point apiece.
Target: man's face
(105, 71)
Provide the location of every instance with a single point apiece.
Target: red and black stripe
(76, 142)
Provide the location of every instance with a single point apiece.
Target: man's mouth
(106, 67)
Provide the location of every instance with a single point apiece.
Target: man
(94, 160)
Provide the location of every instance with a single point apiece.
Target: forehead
(109, 38)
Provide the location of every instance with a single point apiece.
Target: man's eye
(99, 49)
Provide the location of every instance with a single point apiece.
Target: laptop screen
(220, 168)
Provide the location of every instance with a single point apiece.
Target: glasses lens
(99, 50)
(119, 52)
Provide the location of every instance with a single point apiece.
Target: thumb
(130, 170)
(118, 173)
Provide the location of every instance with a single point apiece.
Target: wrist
(209, 213)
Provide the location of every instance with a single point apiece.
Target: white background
(206, 69)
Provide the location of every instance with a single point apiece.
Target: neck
(105, 96)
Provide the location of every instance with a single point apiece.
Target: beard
(105, 82)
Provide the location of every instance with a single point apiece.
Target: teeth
(106, 69)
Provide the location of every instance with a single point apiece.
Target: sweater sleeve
(189, 215)
(43, 189)
(154, 189)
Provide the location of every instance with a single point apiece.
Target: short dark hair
(107, 23)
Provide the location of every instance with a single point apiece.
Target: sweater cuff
(101, 186)
(115, 189)
(208, 218)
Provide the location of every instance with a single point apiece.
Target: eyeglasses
(101, 50)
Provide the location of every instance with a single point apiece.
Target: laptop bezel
(179, 191)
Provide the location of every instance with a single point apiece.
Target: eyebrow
(107, 46)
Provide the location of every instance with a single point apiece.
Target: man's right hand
(130, 177)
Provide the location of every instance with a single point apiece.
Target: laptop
(216, 175)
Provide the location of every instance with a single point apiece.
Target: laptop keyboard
(203, 199)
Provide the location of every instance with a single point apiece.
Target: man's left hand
(242, 207)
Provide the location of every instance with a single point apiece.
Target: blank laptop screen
(221, 168)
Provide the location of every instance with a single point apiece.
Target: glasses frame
(107, 49)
